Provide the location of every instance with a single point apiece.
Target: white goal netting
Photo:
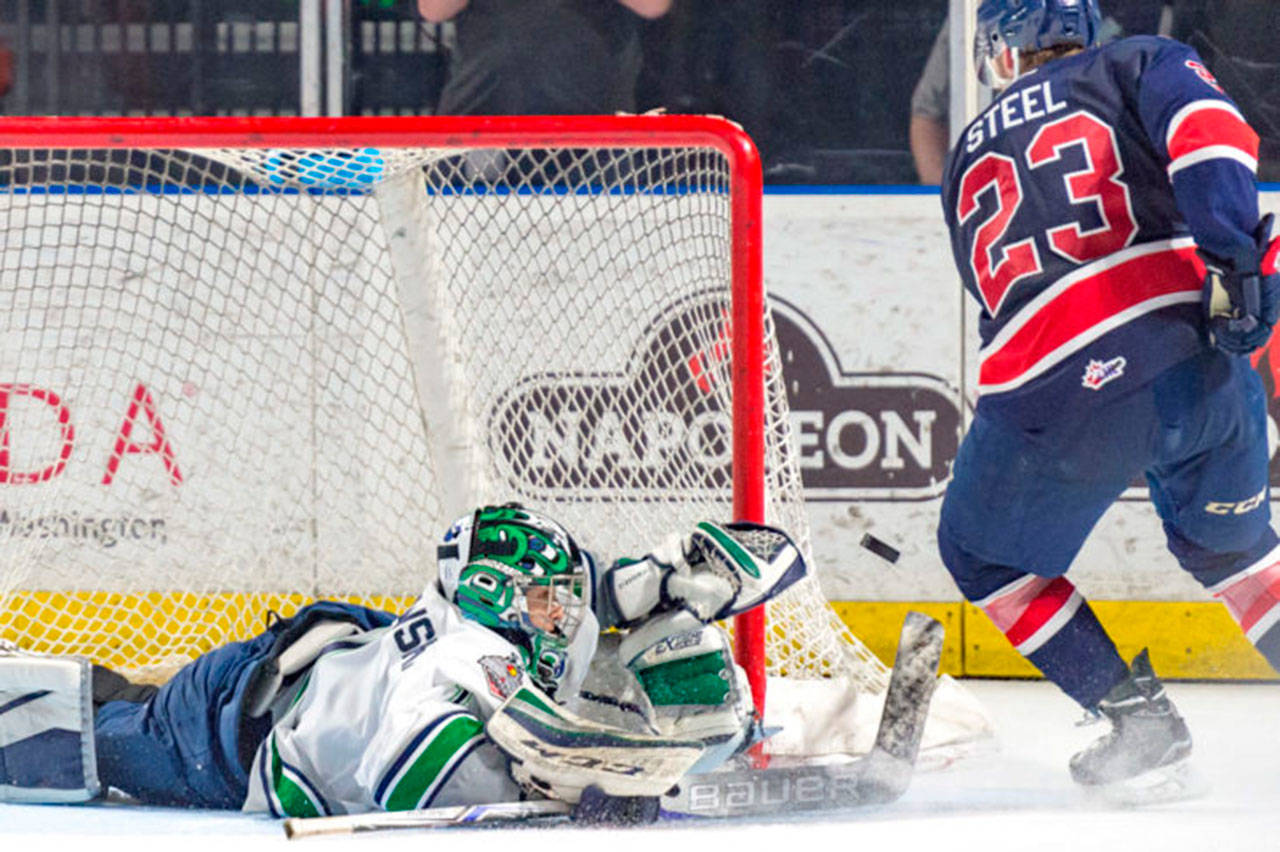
(238, 378)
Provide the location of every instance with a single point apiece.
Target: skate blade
(1176, 782)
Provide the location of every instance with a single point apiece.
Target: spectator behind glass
(930, 102)
(542, 57)
(6, 69)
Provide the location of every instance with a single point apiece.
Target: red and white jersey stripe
(1253, 595)
(1030, 611)
(1210, 129)
(1082, 306)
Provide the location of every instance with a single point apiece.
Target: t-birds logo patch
(1098, 373)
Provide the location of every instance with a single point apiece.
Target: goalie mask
(520, 574)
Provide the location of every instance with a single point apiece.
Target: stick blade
(891, 763)
(877, 778)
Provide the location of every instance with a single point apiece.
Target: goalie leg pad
(46, 730)
(557, 753)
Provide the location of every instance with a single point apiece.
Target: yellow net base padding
(150, 634)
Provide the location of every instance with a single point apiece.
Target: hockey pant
(190, 743)
(1021, 504)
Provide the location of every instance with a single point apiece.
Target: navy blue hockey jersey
(1076, 203)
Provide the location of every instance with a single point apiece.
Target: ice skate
(1144, 757)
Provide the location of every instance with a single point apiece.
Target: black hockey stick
(877, 778)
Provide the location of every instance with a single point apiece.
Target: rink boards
(878, 347)
(867, 273)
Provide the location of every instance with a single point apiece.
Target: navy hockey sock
(1053, 626)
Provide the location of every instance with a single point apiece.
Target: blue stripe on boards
(256, 190)
(851, 189)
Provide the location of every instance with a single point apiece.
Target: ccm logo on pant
(1238, 508)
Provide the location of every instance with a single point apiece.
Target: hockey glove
(718, 571)
(1241, 298)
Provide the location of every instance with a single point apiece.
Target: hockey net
(250, 363)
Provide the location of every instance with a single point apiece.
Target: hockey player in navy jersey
(1104, 214)
(342, 709)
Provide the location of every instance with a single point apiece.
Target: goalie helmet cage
(250, 362)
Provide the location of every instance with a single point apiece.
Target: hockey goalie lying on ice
(464, 699)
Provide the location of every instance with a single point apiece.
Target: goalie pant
(186, 743)
(389, 717)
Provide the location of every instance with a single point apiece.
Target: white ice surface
(1019, 797)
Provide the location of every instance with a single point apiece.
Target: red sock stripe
(1024, 609)
(1252, 600)
(1041, 610)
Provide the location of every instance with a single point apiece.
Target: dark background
(823, 86)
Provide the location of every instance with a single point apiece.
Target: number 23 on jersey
(996, 264)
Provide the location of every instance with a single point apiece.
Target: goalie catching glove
(718, 571)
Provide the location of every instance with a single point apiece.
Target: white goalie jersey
(393, 719)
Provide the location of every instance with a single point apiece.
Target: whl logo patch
(503, 675)
(1098, 373)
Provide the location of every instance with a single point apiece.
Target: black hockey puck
(879, 548)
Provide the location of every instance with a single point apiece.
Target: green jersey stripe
(428, 767)
(291, 797)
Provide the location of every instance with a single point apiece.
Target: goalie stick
(296, 827)
(879, 777)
